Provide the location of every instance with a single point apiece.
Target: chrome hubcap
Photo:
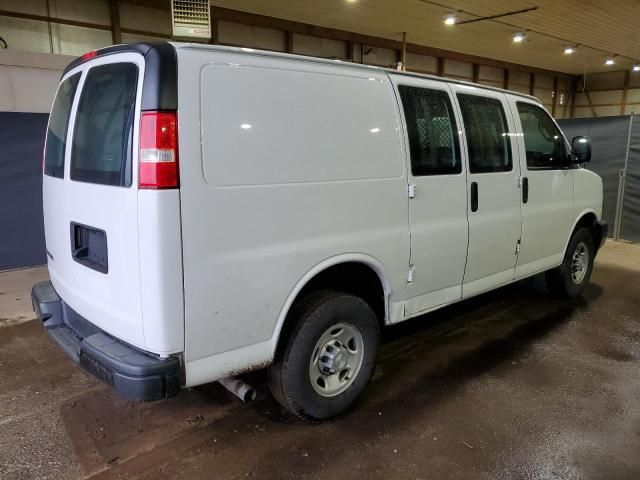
(579, 263)
(336, 360)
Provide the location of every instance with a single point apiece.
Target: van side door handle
(474, 196)
(525, 189)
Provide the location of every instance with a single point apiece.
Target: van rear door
(91, 196)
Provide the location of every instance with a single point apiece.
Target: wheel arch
(587, 218)
(338, 263)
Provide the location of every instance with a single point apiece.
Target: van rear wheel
(571, 278)
(329, 358)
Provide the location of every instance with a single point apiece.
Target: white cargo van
(210, 211)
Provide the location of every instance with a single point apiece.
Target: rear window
(57, 130)
(101, 151)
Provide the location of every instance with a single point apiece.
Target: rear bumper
(134, 374)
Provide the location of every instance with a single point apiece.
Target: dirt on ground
(514, 384)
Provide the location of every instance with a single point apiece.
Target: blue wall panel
(21, 228)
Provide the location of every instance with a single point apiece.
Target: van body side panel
(298, 162)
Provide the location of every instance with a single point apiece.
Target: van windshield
(101, 151)
(57, 130)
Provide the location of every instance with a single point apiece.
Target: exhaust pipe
(240, 389)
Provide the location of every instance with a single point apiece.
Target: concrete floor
(510, 385)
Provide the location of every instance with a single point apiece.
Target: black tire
(289, 376)
(560, 280)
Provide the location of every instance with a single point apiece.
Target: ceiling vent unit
(191, 18)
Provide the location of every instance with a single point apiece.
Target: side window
(58, 126)
(543, 141)
(431, 127)
(487, 134)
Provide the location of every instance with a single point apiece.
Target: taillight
(89, 55)
(158, 156)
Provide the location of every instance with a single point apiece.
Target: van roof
(324, 61)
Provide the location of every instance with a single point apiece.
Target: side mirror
(581, 149)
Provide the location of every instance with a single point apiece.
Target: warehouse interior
(511, 384)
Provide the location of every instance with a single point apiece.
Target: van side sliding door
(495, 219)
(437, 191)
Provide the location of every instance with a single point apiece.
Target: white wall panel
(544, 95)
(380, 56)
(29, 80)
(27, 89)
(458, 69)
(93, 11)
(33, 7)
(633, 95)
(634, 79)
(518, 77)
(581, 99)
(599, 97)
(269, 39)
(250, 36)
(544, 81)
(613, 96)
(132, 37)
(519, 88)
(605, 81)
(422, 63)
(71, 40)
(319, 47)
(235, 33)
(582, 112)
(491, 74)
(607, 111)
(27, 35)
(489, 83)
(137, 17)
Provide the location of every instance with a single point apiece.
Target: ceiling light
(569, 50)
(609, 61)
(636, 68)
(450, 19)
(519, 37)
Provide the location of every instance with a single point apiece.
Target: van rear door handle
(525, 189)
(474, 196)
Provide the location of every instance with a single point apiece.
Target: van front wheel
(571, 278)
(329, 358)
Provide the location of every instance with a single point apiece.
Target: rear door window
(101, 151)
(57, 130)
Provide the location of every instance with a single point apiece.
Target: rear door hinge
(411, 274)
(412, 190)
(518, 248)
